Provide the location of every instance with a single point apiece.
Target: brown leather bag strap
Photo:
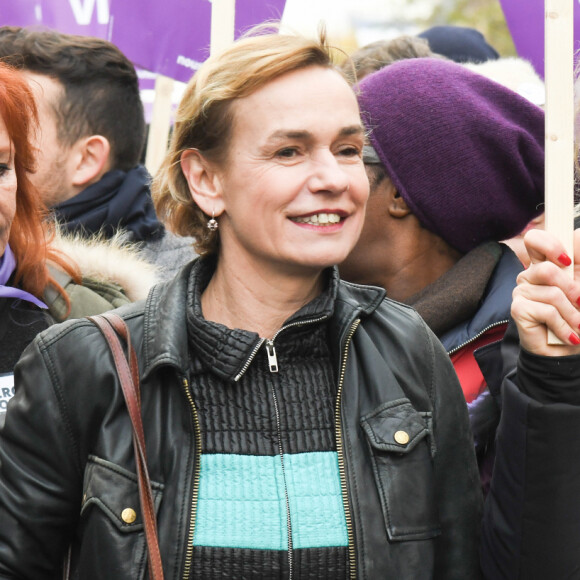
(123, 331)
(112, 326)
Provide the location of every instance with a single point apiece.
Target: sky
(365, 20)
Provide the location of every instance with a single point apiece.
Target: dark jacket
(20, 322)
(490, 318)
(112, 275)
(533, 508)
(478, 293)
(413, 508)
(487, 325)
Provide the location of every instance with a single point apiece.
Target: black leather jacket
(67, 466)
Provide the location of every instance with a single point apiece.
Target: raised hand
(547, 297)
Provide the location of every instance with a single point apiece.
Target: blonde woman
(296, 426)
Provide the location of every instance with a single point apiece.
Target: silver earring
(212, 224)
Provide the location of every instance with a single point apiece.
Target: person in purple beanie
(456, 163)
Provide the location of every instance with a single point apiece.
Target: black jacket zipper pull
(272, 360)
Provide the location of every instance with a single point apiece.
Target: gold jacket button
(128, 515)
(401, 437)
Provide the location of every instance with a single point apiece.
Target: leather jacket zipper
(340, 453)
(196, 475)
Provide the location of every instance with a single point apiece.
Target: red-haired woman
(24, 275)
(39, 281)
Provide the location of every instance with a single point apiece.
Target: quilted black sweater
(270, 497)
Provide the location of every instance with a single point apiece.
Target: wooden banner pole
(223, 14)
(222, 34)
(559, 168)
(160, 124)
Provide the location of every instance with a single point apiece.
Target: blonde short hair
(205, 117)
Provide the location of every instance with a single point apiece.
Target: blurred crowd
(338, 288)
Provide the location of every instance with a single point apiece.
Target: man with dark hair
(91, 138)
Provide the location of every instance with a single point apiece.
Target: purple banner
(172, 38)
(85, 17)
(252, 12)
(169, 37)
(525, 19)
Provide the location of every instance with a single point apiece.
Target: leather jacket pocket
(111, 534)
(401, 454)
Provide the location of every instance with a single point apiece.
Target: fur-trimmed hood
(111, 260)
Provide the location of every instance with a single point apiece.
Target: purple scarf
(7, 266)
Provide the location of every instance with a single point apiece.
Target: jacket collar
(167, 306)
(165, 328)
(456, 295)
(228, 352)
(495, 305)
(353, 301)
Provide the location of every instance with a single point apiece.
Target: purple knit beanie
(464, 152)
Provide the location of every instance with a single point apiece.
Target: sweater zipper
(250, 359)
(489, 327)
(286, 496)
(272, 359)
(271, 349)
(196, 476)
(273, 367)
(340, 454)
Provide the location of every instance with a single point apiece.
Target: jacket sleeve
(532, 513)
(40, 478)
